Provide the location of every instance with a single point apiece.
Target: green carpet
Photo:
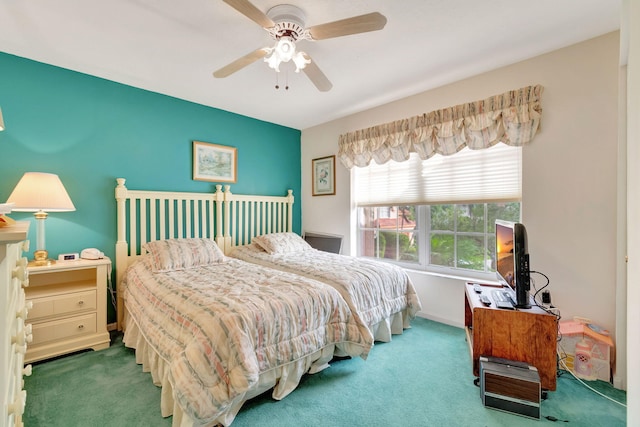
(421, 378)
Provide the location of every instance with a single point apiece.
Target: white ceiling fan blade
(247, 8)
(358, 24)
(316, 76)
(240, 63)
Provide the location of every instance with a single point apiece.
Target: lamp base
(41, 263)
(41, 258)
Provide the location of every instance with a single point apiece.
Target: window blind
(470, 176)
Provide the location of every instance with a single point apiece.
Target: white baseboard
(440, 320)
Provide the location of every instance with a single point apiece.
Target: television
(512, 260)
(324, 242)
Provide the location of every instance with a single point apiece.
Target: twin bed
(380, 295)
(221, 302)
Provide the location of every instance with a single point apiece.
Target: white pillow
(281, 243)
(181, 254)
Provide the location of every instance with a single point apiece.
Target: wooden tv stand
(525, 335)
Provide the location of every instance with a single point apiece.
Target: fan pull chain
(286, 87)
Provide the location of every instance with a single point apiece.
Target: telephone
(91, 253)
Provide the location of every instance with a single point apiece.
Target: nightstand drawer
(64, 328)
(69, 310)
(58, 305)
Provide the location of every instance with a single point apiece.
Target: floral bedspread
(220, 326)
(374, 290)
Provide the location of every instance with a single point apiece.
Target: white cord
(110, 288)
(566, 368)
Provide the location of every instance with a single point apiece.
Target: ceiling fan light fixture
(285, 48)
(285, 51)
(301, 61)
(286, 24)
(272, 59)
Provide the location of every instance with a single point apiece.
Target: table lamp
(40, 193)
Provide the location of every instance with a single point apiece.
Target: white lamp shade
(38, 191)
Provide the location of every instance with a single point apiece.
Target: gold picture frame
(323, 171)
(215, 163)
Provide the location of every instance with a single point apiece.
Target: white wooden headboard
(247, 216)
(230, 219)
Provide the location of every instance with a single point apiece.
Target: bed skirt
(283, 379)
(393, 325)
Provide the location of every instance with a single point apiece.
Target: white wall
(631, 11)
(569, 176)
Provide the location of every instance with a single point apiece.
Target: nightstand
(69, 310)
(524, 335)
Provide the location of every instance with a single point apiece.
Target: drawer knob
(24, 336)
(18, 338)
(81, 326)
(28, 332)
(81, 302)
(24, 311)
(20, 272)
(17, 407)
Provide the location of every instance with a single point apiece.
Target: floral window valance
(512, 118)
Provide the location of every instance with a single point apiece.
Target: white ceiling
(172, 47)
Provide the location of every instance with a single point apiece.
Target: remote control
(477, 288)
(485, 300)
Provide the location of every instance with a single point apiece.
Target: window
(389, 232)
(438, 237)
(442, 178)
(438, 214)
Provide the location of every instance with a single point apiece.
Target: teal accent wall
(91, 131)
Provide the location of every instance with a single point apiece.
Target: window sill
(457, 277)
(464, 275)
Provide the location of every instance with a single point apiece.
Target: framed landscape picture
(324, 176)
(212, 162)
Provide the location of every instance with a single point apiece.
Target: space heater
(510, 386)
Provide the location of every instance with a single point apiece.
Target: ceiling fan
(286, 25)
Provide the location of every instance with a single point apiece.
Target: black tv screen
(324, 242)
(512, 259)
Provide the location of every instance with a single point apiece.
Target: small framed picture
(212, 162)
(324, 176)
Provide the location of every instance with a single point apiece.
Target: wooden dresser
(69, 307)
(14, 332)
